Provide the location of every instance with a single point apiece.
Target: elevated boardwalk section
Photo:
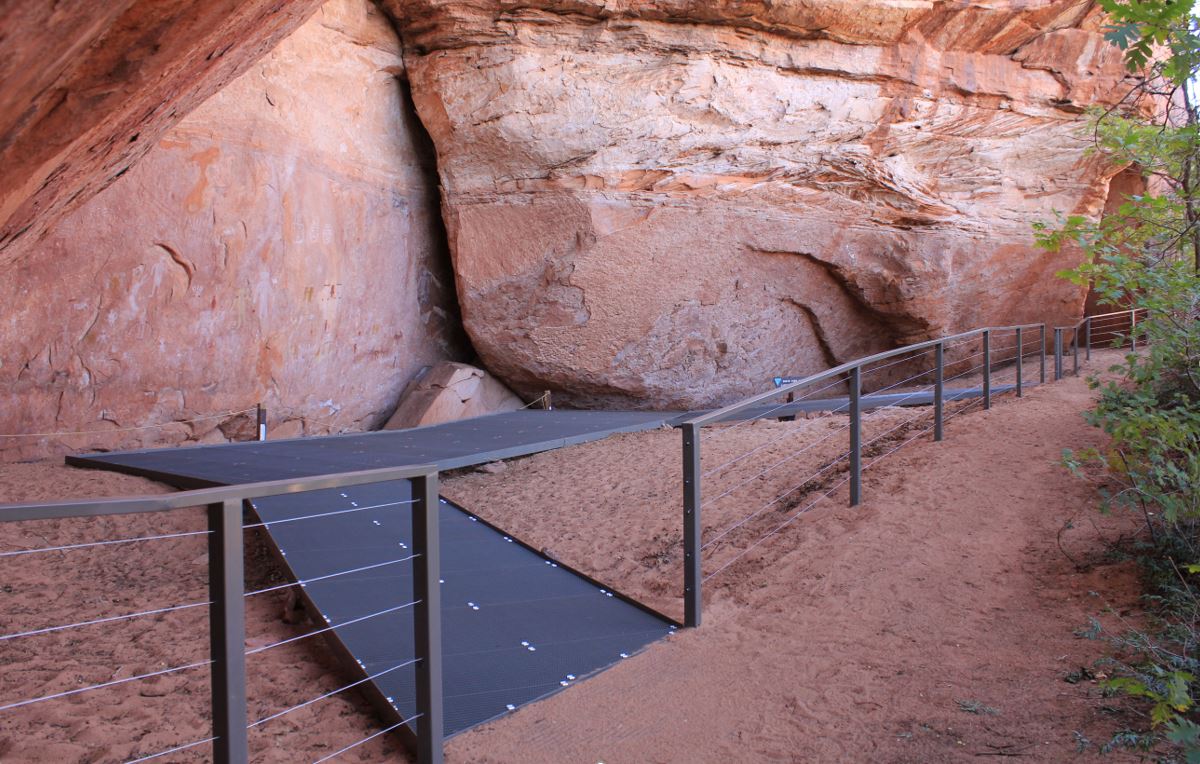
(517, 625)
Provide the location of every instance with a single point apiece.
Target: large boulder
(663, 203)
(281, 243)
(448, 392)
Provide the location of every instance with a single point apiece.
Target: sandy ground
(845, 635)
(134, 719)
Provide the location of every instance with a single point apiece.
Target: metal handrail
(130, 505)
(735, 408)
(690, 429)
(1086, 324)
(226, 582)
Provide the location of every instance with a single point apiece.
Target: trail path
(855, 635)
(862, 635)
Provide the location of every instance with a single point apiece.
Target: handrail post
(1058, 351)
(691, 525)
(1075, 350)
(1088, 338)
(227, 632)
(987, 368)
(1020, 362)
(855, 436)
(1042, 355)
(938, 389)
(427, 617)
(1133, 330)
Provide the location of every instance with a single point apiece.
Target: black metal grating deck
(517, 626)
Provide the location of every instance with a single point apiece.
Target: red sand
(850, 635)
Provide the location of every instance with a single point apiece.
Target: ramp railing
(227, 596)
(992, 359)
(1114, 329)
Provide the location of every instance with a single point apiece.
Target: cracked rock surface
(661, 203)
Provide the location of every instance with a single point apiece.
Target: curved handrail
(1085, 319)
(1085, 323)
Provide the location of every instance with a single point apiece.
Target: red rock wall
(281, 243)
(648, 202)
(90, 85)
(667, 202)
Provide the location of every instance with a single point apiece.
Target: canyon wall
(281, 243)
(667, 202)
(90, 85)
(648, 203)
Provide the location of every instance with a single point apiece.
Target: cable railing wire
(778, 528)
(170, 751)
(845, 405)
(788, 458)
(327, 576)
(110, 542)
(327, 629)
(107, 619)
(330, 694)
(840, 458)
(820, 498)
(191, 605)
(776, 500)
(188, 534)
(766, 414)
(367, 739)
(792, 433)
(331, 513)
(102, 685)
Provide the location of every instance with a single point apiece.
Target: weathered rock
(667, 202)
(281, 243)
(451, 391)
(89, 87)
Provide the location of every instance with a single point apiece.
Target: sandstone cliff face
(90, 85)
(281, 243)
(649, 203)
(667, 202)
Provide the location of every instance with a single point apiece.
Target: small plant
(977, 708)
(1146, 255)
(1129, 740)
(1081, 741)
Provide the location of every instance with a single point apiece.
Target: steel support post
(938, 390)
(427, 618)
(1088, 338)
(1042, 354)
(1020, 362)
(691, 525)
(1133, 330)
(1075, 351)
(987, 368)
(227, 632)
(1058, 353)
(855, 436)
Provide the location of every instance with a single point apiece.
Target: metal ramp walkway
(517, 626)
